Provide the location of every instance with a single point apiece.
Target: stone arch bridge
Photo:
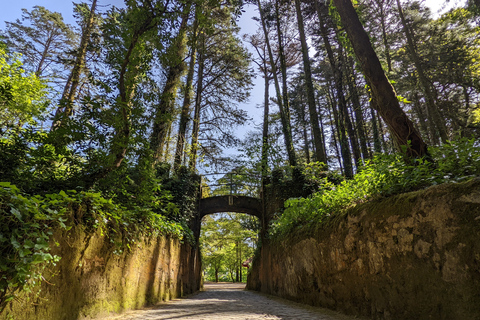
(233, 201)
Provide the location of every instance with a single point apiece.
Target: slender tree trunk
(317, 136)
(285, 99)
(265, 122)
(357, 108)
(198, 103)
(401, 127)
(304, 130)
(237, 273)
(335, 132)
(377, 145)
(185, 113)
(164, 111)
(65, 109)
(424, 83)
(38, 72)
(417, 107)
(384, 37)
(344, 114)
(285, 121)
(342, 138)
(337, 74)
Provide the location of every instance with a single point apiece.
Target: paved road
(228, 301)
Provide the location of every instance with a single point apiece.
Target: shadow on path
(229, 301)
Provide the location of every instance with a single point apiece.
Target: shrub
(384, 175)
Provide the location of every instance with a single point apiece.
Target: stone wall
(411, 256)
(92, 280)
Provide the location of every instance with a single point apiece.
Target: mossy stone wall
(411, 256)
(92, 280)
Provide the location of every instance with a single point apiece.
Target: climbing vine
(28, 223)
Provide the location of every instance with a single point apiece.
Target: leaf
(16, 213)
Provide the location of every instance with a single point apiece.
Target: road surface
(227, 301)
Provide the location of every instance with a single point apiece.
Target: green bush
(384, 175)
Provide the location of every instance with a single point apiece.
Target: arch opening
(228, 241)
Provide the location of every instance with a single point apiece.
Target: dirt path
(226, 301)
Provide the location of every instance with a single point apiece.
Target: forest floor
(229, 301)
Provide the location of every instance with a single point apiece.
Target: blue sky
(12, 10)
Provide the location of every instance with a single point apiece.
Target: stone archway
(230, 203)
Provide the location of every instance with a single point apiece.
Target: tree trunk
(285, 112)
(403, 131)
(306, 149)
(344, 114)
(164, 112)
(424, 83)
(424, 125)
(265, 122)
(198, 103)
(386, 45)
(334, 135)
(357, 108)
(377, 145)
(337, 75)
(185, 113)
(65, 109)
(285, 124)
(317, 136)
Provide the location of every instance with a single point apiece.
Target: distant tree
(44, 40)
(226, 241)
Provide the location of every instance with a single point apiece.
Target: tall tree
(424, 82)
(280, 101)
(130, 35)
(317, 135)
(404, 132)
(259, 44)
(41, 37)
(341, 116)
(65, 107)
(175, 65)
(187, 97)
(223, 81)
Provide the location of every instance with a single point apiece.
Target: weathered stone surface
(92, 280)
(411, 256)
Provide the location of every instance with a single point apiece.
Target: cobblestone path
(230, 302)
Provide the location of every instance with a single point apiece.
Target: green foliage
(226, 241)
(43, 39)
(28, 159)
(27, 225)
(22, 95)
(384, 175)
(184, 187)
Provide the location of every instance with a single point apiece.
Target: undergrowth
(384, 175)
